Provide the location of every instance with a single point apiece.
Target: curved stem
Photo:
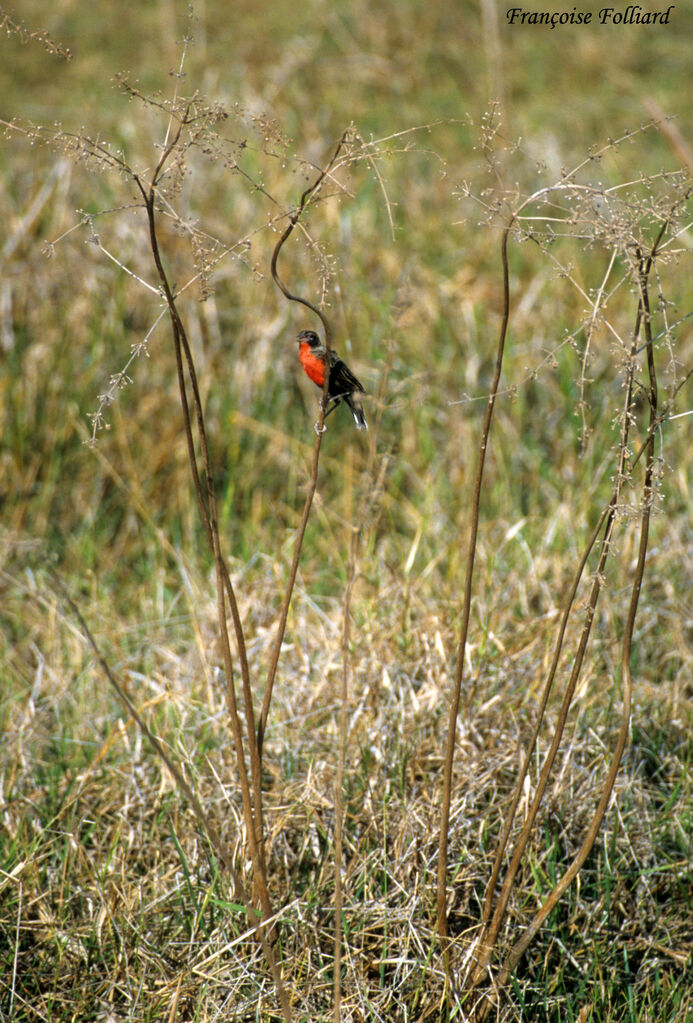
(313, 482)
(293, 220)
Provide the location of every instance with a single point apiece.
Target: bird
(342, 382)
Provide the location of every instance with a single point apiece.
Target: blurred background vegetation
(451, 99)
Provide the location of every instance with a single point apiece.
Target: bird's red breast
(313, 364)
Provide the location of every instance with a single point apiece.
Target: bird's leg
(332, 407)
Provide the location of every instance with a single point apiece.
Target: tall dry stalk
(496, 903)
(319, 429)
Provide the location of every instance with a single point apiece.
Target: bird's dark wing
(342, 380)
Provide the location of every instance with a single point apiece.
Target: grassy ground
(111, 906)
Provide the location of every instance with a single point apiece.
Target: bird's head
(310, 337)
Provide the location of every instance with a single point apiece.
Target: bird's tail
(354, 402)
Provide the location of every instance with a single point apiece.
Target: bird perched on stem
(342, 383)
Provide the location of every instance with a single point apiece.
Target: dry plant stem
(208, 511)
(489, 935)
(313, 482)
(442, 921)
(521, 946)
(510, 815)
(206, 823)
(339, 780)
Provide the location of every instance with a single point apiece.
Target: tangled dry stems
(390, 824)
(120, 877)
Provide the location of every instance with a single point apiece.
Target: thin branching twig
(571, 873)
(491, 925)
(207, 504)
(319, 428)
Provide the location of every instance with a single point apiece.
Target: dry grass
(113, 905)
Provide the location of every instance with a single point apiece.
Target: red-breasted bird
(342, 385)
